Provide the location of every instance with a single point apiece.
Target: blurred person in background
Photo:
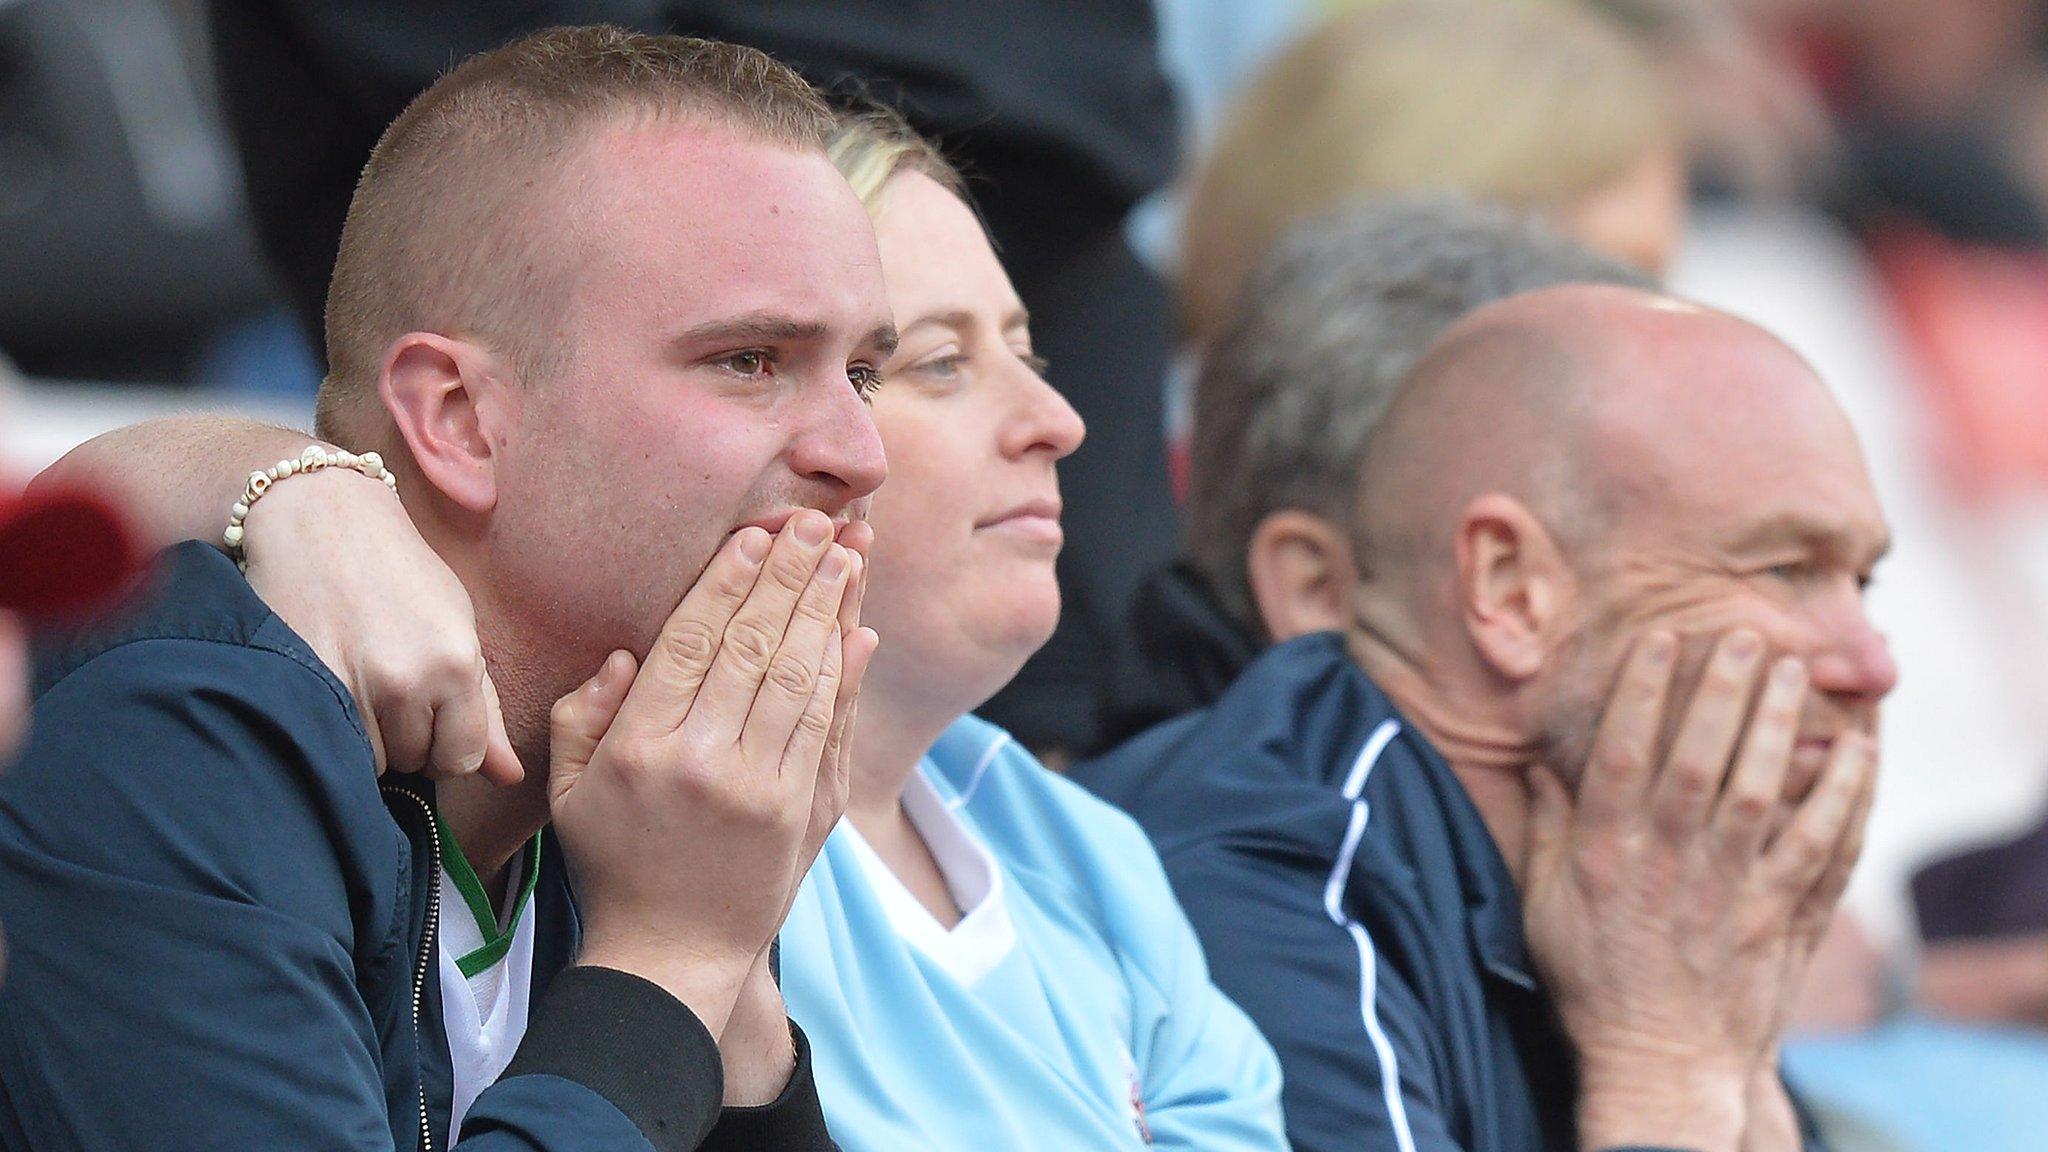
(1058, 113)
(1545, 107)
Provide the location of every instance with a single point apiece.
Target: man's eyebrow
(754, 328)
(962, 318)
(882, 338)
(1781, 528)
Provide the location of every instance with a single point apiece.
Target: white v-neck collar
(974, 946)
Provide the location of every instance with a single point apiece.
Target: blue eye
(943, 367)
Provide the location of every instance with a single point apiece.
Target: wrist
(1663, 1102)
(709, 985)
(268, 497)
(757, 1048)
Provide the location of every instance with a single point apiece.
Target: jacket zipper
(427, 939)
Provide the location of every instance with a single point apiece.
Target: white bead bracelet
(313, 459)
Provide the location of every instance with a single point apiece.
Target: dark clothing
(1190, 651)
(1999, 890)
(1352, 901)
(1058, 111)
(221, 924)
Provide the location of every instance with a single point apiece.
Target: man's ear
(1513, 584)
(445, 397)
(1302, 574)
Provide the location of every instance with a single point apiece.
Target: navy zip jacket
(220, 935)
(1351, 900)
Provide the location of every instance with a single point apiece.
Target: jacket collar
(1493, 904)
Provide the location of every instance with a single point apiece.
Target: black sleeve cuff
(792, 1122)
(632, 1043)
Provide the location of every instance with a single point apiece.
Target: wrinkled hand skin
(337, 558)
(691, 795)
(1674, 904)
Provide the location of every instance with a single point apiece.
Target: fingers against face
(1756, 786)
(689, 641)
(747, 646)
(791, 713)
(1686, 789)
(1819, 845)
(1625, 746)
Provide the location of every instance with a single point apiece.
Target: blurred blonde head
(871, 146)
(1533, 104)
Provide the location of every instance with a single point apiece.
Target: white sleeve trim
(1333, 906)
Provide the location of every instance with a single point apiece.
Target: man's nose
(837, 445)
(1859, 663)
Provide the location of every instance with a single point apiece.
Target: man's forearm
(176, 477)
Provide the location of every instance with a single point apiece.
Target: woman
(1547, 108)
(983, 956)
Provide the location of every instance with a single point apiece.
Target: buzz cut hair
(447, 231)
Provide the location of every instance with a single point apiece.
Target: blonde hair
(873, 145)
(1534, 105)
(444, 233)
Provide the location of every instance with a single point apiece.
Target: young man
(609, 313)
(1510, 841)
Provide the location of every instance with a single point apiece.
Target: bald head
(1589, 405)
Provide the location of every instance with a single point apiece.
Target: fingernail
(1788, 672)
(754, 545)
(833, 564)
(812, 528)
(1744, 644)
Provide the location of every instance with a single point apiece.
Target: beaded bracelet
(313, 459)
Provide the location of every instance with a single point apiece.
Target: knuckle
(1621, 761)
(815, 722)
(689, 642)
(1749, 807)
(1806, 852)
(791, 571)
(793, 675)
(1690, 782)
(751, 644)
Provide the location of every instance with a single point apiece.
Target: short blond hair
(1530, 104)
(873, 145)
(444, 232)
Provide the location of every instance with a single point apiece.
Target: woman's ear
(444, 396)
(1302, 574)
(1513, 584)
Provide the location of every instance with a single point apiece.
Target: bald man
(1523, 831)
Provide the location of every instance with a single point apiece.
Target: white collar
(985, 934)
